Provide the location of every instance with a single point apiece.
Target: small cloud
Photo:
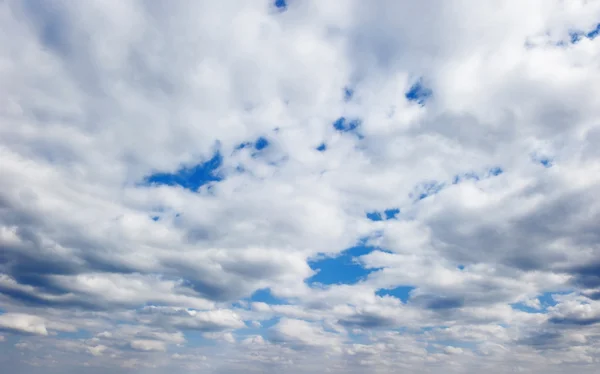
(23, 323)
(387, 215)
(300, 334)
(148, 345)
(190, 178)
(97, 350)
(400, 292)
(255, 340)
(453, 350)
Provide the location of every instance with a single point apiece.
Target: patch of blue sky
(495, 171)
(359, 336)
(343, 124)
(466, 176)
(543, 160)
(424, 190)
(391, 213)
(252, 330)
(400, 292)
(387, 215)
(343, 269)
(79, 334)
(259, 144)
(374, 216)
(264, 329)
(436, 346)
(348, 94)
(190, 178)
(322, 147)
(594, 33)
(418, 93)
(427, 189)
(195, 338)
(577, 36)
(281, 5)
(546, 300)
(243, 146)
(264, 295)
(268, 323)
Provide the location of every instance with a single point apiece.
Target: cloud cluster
(300, 186)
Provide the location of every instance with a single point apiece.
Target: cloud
(317, 186)
(23, 323)
(301, 333)
(211, 320)
(580, 311)
(148, 345)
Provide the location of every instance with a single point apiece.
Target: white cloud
(97, 350)
(302, 333)
(23, 323)
(148, 345)
(98, 95)
(210, 320)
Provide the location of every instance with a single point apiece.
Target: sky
(299, 186)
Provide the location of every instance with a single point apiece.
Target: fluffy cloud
(176, 177)
(23, 323)
(302, 333)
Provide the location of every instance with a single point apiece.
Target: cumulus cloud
(300, 333)
(148, 345)
(175, 176)
(23, 323)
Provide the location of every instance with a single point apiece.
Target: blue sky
(299, 186)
